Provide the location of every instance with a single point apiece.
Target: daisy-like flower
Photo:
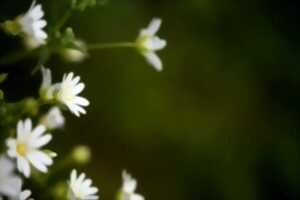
(26, 147)
(128, 188)
(148, 43)
(80, 187)
(32, 24)
(8, 178)
(68, 91)
(53, 119)
(46, 89)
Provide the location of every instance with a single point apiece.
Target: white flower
(80, 187)
(128, 188)
(148, 43)
(46, 89)
(8, 178)
(32, 24)
(53, 119)
(68, 92)
(26, 147)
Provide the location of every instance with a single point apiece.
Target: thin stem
(63, 20)
(111, 45)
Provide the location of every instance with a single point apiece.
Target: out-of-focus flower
(26, 147)
(53, 119)
(32, 24)
(8, 178)
(20, 194)
(81, 154)
(80, 187)
(128, 188)
(46, 89)
(68, 91)
(148, 43)
(29, 25)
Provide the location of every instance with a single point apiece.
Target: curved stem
(111, 45)
(63, 20)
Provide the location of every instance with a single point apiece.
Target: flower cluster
(26, 155)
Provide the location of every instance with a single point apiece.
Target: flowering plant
(26, 135)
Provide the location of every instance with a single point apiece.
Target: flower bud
(81, 154)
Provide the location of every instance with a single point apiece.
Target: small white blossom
(68, 91)
(149, 43)
(53, 119)
(80, 187)
(129, 187)
(8, 178)
(26, 147)
(46, 89)
(32, 24)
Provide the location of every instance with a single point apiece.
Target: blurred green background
(220, 122)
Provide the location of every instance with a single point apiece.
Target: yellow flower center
(21, 149)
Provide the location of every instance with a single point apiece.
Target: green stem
(111, 45)
(63, 20)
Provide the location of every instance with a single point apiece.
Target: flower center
(67, 94)
(21, 149)
(142, 43)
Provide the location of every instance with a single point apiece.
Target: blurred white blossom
(20, 194)
(75, 54)
(26, 147)
(53, 119)
(129, 187)
(8, 178)
(32, 24)
(80, 187)
(148, 43)
(68, 91)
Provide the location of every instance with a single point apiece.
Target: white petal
(28, 125)
(78, 88)
(23, 166)
(38, 131)
(39, 160)
(39, 142)
(154, 60)
(153, 27)
(25, 194)
(81, 101)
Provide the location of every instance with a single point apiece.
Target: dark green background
(220, 122)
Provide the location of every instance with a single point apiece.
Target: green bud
(81, 154)
(12, 27)
(60, 190)
(31, 106)
(3, 77)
